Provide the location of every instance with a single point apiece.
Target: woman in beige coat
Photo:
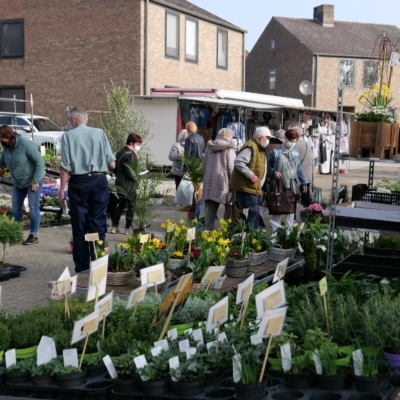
(217, 168)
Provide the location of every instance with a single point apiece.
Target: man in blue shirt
(86, 156)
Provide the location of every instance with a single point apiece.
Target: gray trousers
(211, 208)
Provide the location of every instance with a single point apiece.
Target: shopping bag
(280, 201)
(184, 193)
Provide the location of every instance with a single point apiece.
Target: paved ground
(46, 260)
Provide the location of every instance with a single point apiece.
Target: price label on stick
(323, 286)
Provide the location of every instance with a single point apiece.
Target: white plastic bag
(184, 193)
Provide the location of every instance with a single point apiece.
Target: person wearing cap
(249, 173)
(284, 163)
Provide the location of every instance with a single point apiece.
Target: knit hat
(263, 131)
(291, 134)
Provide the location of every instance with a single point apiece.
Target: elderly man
(86, 157)
(249, 173)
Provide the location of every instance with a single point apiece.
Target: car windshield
(46, 125)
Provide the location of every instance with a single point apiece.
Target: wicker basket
(238, 268)
(278, 254)
(258, 258)
(118, 278)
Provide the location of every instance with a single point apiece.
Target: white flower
(325, 237)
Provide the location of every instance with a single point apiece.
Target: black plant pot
(18, 377)
(221, 394)
(333, 383)
(98, 390)
(71, 380)
(288, 395)
(211, 377)
(2, 376)
(155, 388)
(126, 385)
(188, 389)
(250, 391)
(371, 384)
(298, 381)
(95, 370)
(43, 380)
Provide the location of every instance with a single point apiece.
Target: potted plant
(238, 258)
(21, 371)
(120, 263)
(188, 379)
(128, 378)
(156, 198)
(284, 242)
(194, 174)
(154, 377)
(258, 244)
(94, 365)
(42, 375)
(312, 213)
(10, 233)
(69, 376)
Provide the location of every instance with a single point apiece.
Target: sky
(254, 15)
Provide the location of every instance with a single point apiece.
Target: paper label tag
(197, 335)
(140, 361)
(64, 287)
(323, 286)
(110, 367)
(210, 345)
(222, 337)
(155, 351)
(317, 361)
(144, 238)
(246, 291)
(172, 334)
(98, 275)
(358, 361)
(170, 228)
(43, 354)
(274, 325)
(105, 308)
(286, 357)
(90, 325)
(162, 343)
(190, 351)
(188, 331)
(92, 237)
(11, 357)
(184, 345)
(70, 357)
(155, 276)
(174, 362)
(272, 301)
(236, 368)
(219, 313)
(254, 340)
(46, 340)
(191, 234)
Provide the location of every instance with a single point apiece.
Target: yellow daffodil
(258, 248)
(253, 241)
(124, 245)
(178, 254)
(182, 222)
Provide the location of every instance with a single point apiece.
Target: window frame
(353, 75)
(176, 14)
(269, 79)
(2, 43)
(21, 107)
(366, 64)
(226, 31)
(196, 21)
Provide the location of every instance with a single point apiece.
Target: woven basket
(278, 254)
(238, 268)
(118, 278)
(258, 258)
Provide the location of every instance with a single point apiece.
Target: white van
(45, 131)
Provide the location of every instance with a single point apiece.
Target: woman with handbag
(286, 170)
(217, 169)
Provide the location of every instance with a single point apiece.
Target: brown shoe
(186, 208)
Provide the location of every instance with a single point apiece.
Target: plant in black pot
(94, 365)
(42, 375)
(128, 378)
(21, 371)
(154, 377)
(10, 233)
(69, 376)
(188, 379)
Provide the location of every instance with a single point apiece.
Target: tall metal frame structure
(335, 179)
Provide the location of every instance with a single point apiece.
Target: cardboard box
(365, 210)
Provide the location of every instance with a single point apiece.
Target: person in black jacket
(128, 154)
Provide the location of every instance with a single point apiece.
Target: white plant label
(43, 354)
(286, 357)
(198, 336)
(173, 334)
(317, 361)
(140, 361)
(174, 364)
(236, 367)
(155, 351)
(358, 361)
(70, 357)
(222, 337)
(184, 345)
(11, 357)
(188, 331)
(254, 340)
(163, 343)
(48, 341)
(210, 345)
(190, 351)
(110, 367)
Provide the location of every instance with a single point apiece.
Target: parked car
(45, 131)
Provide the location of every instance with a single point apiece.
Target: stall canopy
(229, 102)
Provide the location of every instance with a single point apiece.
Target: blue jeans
(88, 199)
(18, 197)
(250, 201)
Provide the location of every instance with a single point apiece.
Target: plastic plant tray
(13, 273)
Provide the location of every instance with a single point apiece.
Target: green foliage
(309, 253)
(10, 233)
(47, 368)
(59, 369)
(125, 366)
(25, 331)
(286, 237)
(122, 118)
(251, 362)
(195, 309)
(388, 242)
(23, 365)
(4, 337)
(157, 368)
(189, 370)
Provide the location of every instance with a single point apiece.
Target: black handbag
(280, 201)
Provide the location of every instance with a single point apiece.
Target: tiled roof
(198, 12)
(343, 39)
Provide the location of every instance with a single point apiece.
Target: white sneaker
(114, 229)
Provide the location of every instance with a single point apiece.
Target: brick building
(328, 53)
(66, 53)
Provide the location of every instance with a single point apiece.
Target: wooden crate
(381, 138)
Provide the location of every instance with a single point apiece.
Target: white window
(172, 34)
(191, 40)
(273, 44)
(222, 48)
(272, 79)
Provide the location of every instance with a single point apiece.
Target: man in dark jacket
(194, 144)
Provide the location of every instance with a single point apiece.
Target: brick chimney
(325, 15)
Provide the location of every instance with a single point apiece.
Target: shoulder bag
(280, 201)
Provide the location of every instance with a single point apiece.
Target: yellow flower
(182, 221)
(194, 221)
(124, 245)
(254, 241)
(229, 221)
(100, 242)
(103, 253)
(178, 254)
(156, 242)
(374, 86)
(258, 248)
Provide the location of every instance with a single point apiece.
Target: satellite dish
(306, 88)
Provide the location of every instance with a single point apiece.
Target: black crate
(362, 193)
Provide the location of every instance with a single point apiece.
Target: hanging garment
(238, 130)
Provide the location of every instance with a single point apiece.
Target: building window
(222, 48)
(192, 37)
(12, 38)
(272, 79)
(273, 44)
(171, 34)
(370, 74)
(347, 71)
(9, 93)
